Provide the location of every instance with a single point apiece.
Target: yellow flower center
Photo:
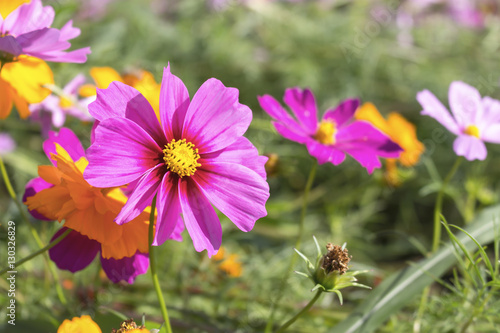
(472, 130)
(326, 132)
(181, 157)
(65, 102)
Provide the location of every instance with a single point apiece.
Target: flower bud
(330, 273)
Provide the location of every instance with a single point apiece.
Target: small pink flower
(473, 119)
(194, 157)
(27, 31)
(336, 135)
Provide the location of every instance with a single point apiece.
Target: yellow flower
(83, 324)
(398, 129)
(21, 83)
(8, 6)
(142, 80)
(87, 209)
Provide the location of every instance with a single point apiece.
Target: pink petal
(121, 153)
(343, 112)
(72, 87)
(67, 140)
(74, 252)
(68, 31)
(363, 135)
(491, 113)
(142, 195)
(491, 133)
(174, 103)
(222, 183)
(241, 152)
(470, 147)
(465, 103)
(277, 112)
(169, 208)
(9, 44)
(215, 119)
(303, 105)
(121, 100)
(200, 219)
(325, 153)
(78, 56)
(434, 108)
(289, 134)
(28, 17)
(127, 268)
(38, 42)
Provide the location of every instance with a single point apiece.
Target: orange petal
(6, 99)
(21, 106)
(27, 76)
(369, 112)
(405, 134)
(103, 76)
(8, 6)
(83, 324)
(49, 202)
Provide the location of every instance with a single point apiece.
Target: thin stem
(293, 259)
(301, 312)
(37, 253)
(152, 264)
(34, 232)
(439, 205)
(435, 240)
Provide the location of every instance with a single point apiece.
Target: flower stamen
(326, 132)
(472, 130)
(181, 157)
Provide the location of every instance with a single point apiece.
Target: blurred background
(383, 52)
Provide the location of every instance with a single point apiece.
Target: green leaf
(402, 287)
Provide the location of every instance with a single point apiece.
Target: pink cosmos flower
(52, 110)
(473, 120)
(336, 135)
(194, 157)
(26, 30)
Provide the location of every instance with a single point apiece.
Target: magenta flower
(27, 31)
(473, 120)
(336, 135)
(52, 111)
(194, 157)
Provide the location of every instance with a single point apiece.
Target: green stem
(439, 205)
(12, 193)
(304, 310)
(152, 264)
(293, 260)
(37, 253)
(435, 240)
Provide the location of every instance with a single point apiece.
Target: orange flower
(142, 80)
(87, 209)
(398, 129)
(230, 265)
(83, 324)
(21, 83)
